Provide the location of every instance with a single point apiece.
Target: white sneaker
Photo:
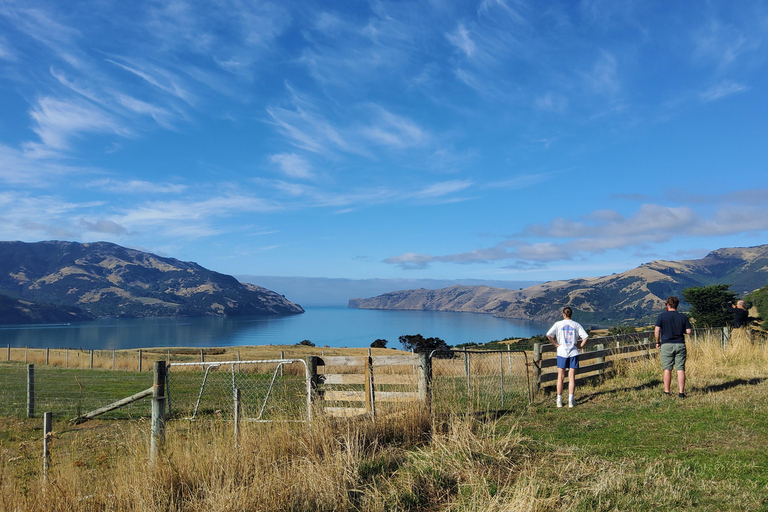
(571, 403)
(559, 402)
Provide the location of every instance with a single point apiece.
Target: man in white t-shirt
(565, 335)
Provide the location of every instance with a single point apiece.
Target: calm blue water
(331, 326)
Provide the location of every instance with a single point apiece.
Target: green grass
(708, 452)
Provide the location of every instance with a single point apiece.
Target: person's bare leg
(681, 381)
(571, 381)
(560, 379)
(667, 380)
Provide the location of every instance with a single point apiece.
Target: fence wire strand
(479, 381)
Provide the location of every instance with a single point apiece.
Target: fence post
(30, 391)
(238, 405)
(202, 356)
(158, 409)
(91, 359)
(425, 380)
(26, 355)
(66, 358)
(536, 367)
(47, 356)
(47, 421)
(369, 390)
(9, 352)
(601, 359)
(312, 382)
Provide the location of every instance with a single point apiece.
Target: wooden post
(536, 367)
(66, 358)
(312, 382)
(601, 359)
(113, 359)
(91, 359)
(501, 373)
(47, 421)
(282, 356)
(26, 355)
(202, 356)
(141, 359)
(9, 352)
(47, 356)
(425, 380)
(30, 391)
(238, 397)
(158, 410)
(370, 398)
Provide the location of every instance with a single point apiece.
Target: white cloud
(721, 90)
(293, 166)
(604, 230)
(57, 122)
(460, 39)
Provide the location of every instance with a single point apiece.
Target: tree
(306, 343)
(419, 343)
(379, 343)
(759, 298)
(710, 305)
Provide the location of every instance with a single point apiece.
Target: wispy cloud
(721, 90)
(293, 165)
(601, 231)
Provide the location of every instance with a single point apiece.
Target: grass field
(624, 447)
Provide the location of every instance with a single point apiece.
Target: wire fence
(69, 393)
(259, 390)
(479, 380)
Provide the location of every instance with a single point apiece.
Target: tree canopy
(711, 305)
(760, 300)
(379, 343)
(419, 343)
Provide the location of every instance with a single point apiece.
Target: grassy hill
(632, 297)
(101, 279)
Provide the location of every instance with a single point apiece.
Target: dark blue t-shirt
(673, 325)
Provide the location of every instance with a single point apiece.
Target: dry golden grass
(536, 459)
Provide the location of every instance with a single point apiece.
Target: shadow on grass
(651, 384)
(730, 384)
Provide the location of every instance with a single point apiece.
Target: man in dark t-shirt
(671, 328)
(740, 314)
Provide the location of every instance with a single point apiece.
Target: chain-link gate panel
(479, 381)
(270, 390)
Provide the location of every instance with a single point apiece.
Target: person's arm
(552, 340)
(584, 342)
(657, 335)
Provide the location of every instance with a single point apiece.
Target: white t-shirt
(567, 333)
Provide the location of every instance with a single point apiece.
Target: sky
(432, 139)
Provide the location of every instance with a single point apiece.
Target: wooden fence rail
(595, 354)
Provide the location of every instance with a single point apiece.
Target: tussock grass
(625, 447)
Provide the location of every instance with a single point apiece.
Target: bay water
(323, 326)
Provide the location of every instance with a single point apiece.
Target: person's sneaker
(666, 393)
(571, 403)
(681, 396)
(559, 402)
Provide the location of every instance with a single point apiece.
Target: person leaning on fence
(670, 331)
(740, 314)
(565, 335)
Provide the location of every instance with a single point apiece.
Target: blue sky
(494, 139)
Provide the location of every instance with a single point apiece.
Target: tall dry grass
(401, 462)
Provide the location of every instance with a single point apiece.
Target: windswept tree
(379, 343)
(418, 343)
(710, 305)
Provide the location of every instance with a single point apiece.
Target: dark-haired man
(565, 335)
(671, 328)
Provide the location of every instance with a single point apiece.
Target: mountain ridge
(56, 280)
(633, 296)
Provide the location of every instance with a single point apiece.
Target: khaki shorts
(673, 356)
